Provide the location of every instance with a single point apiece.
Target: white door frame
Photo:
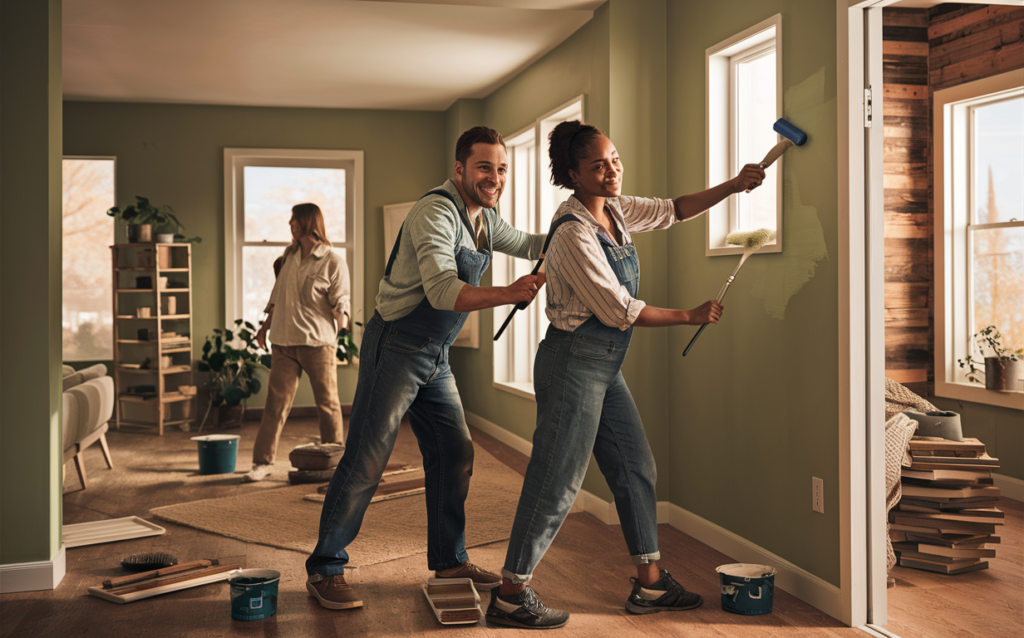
(861, 315)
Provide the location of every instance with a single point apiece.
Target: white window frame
(952, 277)
(513, 359)
(235, 159)
(720, 125)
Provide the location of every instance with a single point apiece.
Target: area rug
(391, 529)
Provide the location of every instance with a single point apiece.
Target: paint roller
(792, 136)
(752, 242)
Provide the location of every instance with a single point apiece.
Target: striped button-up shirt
(580, 281)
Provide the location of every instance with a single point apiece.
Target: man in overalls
(431, 283)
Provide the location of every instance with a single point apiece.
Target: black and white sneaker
(664, 595)
(523, 610)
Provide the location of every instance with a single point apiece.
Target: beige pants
(320, 363)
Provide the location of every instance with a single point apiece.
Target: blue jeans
(583, 407)
(398, 373)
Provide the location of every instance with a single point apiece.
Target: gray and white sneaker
(258, 472)
(523, 610)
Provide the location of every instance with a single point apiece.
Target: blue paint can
(253, 593)
(218, 453)
(747, 589)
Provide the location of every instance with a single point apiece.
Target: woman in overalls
(583, 404)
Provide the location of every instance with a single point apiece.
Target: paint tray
(110, 530)
(455, 601)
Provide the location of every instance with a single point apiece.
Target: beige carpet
(391, 529)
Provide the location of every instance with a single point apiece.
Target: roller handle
(721, 296)
(519, 306)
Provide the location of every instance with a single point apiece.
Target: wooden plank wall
(908, 220)
(925, 50)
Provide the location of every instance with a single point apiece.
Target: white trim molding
(40, 575)
(1009, 486)
(793, 579)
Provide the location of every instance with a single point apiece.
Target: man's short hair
(475, 135)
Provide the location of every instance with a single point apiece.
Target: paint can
(253, 593)
(747, 589)
(218, 453)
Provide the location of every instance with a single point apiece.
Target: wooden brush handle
(174, 578)
(156, 573)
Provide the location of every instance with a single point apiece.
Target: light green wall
(755, 404)
(1000, 429)
(174, 155)
(30, 272)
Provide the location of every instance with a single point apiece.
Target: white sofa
(88, 403)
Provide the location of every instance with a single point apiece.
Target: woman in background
(583, 404)
(308, 306)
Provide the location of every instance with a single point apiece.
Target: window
(743, 101)
(261, 186)
(979, 226)
(528, 203)
(86, 314)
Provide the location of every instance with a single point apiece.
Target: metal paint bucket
(218, 453)
(747, 589)
(253, 593)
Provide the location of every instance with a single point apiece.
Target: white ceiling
(374, 54)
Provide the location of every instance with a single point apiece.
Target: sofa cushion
(83, 375)
(67, 370)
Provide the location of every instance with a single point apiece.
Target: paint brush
(752, 242)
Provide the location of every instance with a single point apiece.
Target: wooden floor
(585, 572)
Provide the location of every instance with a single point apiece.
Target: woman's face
(599, 173)
(295, 228)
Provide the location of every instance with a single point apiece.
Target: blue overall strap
(398, 240)
(547, 241)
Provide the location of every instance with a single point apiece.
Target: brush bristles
(751, 240)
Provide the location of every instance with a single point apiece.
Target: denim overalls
(404, 368)
(584, 407)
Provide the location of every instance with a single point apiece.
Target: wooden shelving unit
(153, 350)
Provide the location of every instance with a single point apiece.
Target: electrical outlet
(817, 494)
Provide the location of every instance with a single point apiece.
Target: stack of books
(946, 520)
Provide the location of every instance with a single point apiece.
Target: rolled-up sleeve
(583, 266)
(642, 214)
(339, 294)
(434, 231)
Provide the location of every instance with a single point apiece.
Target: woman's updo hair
(569, 144)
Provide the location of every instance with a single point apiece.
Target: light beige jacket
(307, 294)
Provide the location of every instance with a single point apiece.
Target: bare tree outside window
(86, 316)
(270, 193)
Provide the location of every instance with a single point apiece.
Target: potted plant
(233, 359)
(348, 351)
(1003, 367)
(142, 216)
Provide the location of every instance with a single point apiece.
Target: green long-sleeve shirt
(426, 266)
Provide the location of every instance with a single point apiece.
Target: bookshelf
(153, 374)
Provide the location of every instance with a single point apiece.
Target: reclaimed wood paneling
(972, 42)
(908, 219)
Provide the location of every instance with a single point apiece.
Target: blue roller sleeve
(787, 130)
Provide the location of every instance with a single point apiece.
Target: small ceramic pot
(1002, 374)
(165, 238)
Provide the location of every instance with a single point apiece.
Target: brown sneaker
(482, 579)
(333, 592)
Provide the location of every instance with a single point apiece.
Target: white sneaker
(258, 472)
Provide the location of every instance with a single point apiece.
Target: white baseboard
(35, 576)
(1009, 487)
(794, 580)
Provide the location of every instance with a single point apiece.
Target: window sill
(520, 389)
(977, 393)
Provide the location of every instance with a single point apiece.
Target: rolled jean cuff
(643, 559)
(516, 579)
